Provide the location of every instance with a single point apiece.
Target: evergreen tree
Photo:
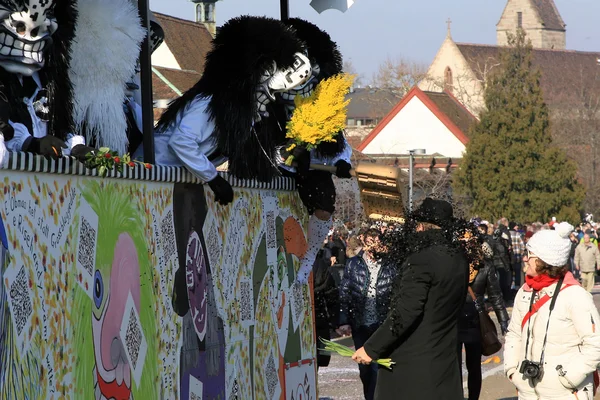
(510, 168)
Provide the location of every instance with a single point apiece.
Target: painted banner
(126, 289)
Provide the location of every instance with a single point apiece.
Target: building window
(208, 12)
(519, 20)
(448, 80)
(351, 122)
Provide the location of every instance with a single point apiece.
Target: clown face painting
(25, 34)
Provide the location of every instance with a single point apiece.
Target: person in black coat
(469, 331)
(327, 305)
(420, 332)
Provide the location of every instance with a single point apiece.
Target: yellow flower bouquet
(320, 116)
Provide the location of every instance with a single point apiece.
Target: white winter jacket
(573, 342)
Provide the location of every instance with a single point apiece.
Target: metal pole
(146, 84)
(284, 6)
(410, 181)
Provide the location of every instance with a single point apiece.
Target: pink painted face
(111, 289)
(196, 283)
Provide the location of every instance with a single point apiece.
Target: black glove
(48, 146)
(222, 190)
(301, 159)
(504, 327)
(342, 169)
(80, 152)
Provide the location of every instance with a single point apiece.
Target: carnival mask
(276, 80)
(26, 28)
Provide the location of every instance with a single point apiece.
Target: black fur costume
(324, 52)
(52, 75)
(243, 50)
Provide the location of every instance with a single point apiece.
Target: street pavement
(340, 381)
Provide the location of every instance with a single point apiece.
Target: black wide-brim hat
(437, 212)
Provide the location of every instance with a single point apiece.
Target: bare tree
(398, 75)
(350, 69)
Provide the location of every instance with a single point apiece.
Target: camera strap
(531, 306)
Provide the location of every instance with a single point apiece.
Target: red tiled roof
(453, 109)
(188, 41)
(566, 74)
(460, 117)
(182, 80)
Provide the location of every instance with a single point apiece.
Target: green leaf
(102, 171)
(104, 150)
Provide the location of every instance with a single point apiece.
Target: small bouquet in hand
(105, 159)
(348, 352)
(320, 116)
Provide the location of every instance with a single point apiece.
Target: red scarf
(539, 282)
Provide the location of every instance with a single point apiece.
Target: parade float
(129, 280)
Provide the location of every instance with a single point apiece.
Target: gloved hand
(504, 327)
(222, 190)
(48, 146)
(80, 152)
(301, 159)
(342, 169)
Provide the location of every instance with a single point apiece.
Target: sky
(373, 30)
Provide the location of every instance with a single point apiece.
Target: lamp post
(411, 154)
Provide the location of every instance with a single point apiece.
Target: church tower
(206, 14)
(540, 20)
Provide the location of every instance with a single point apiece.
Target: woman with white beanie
(552, 347)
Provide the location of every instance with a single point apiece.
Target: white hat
(552, 246)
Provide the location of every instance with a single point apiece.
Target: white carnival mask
(26, 27)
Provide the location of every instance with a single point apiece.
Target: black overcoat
(432, 288)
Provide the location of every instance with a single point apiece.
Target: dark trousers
(368, 373)
(505, 280)
(473, 361)
(518, 270)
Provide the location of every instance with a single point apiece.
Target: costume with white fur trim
(316, 188)
(100, 92)
(36, 101)
(223, 115)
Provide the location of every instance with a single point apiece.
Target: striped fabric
(29, 162)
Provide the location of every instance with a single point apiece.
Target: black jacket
(354, 286)
(327, 305)
(423, 338)
(468, 322)
(501, 249)
(338, 250)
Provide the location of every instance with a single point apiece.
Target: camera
(531, 369)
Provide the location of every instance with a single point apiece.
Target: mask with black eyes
(25, 34)
(325, 60)
(274, 80)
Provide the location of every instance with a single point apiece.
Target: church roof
(549, 14)
(566, 74)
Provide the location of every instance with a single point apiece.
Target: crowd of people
(415, 293)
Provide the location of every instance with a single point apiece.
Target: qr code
(298, 299)
(271, 239)
(21, 302)
(87, 240)
(168, 235)
(235, 390)
(246, 301)
(133, 338)
(194, 396)
(271, 376)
